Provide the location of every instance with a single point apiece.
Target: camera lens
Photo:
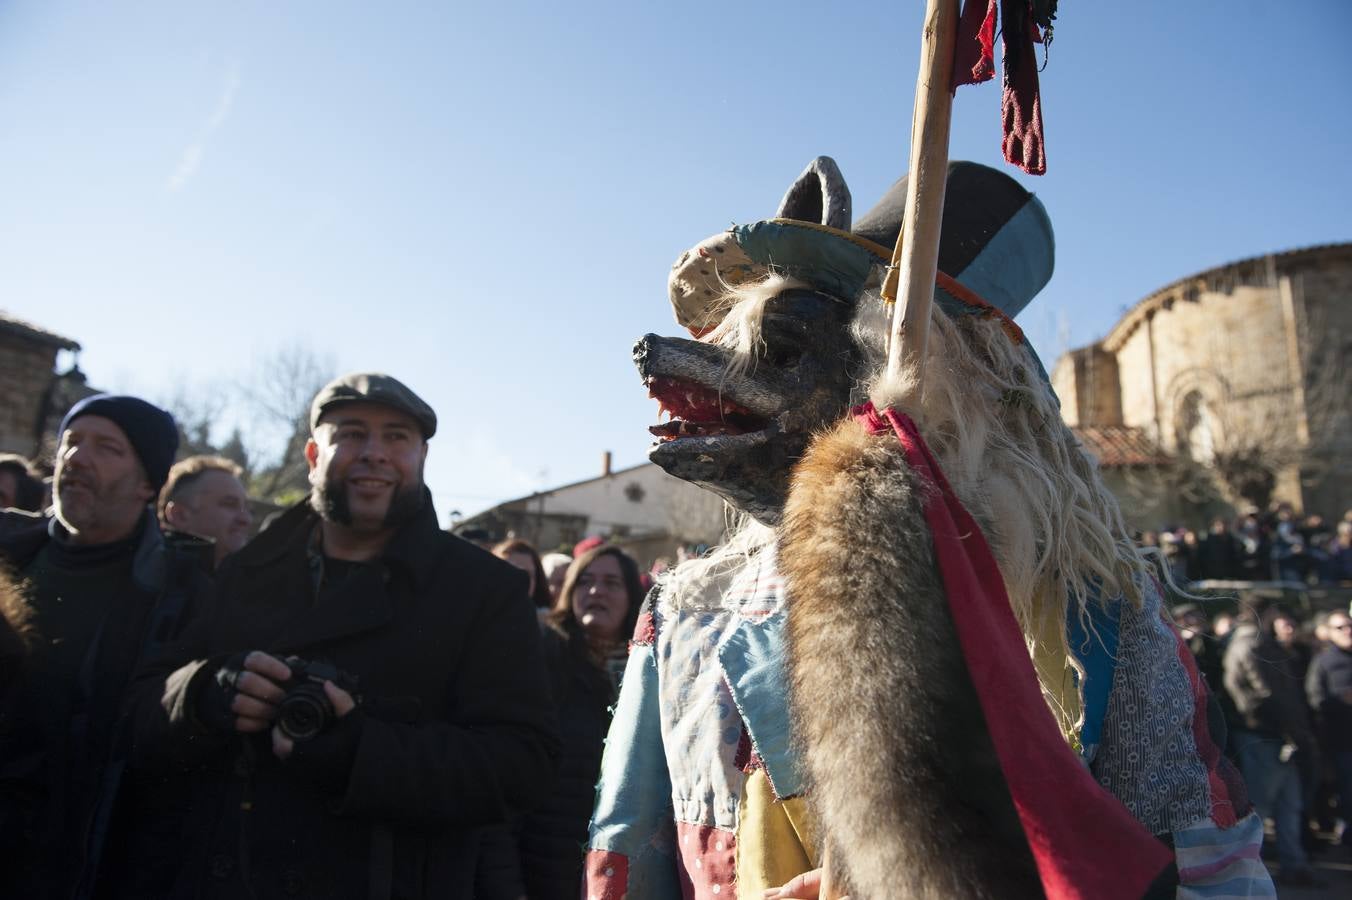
(304, 712)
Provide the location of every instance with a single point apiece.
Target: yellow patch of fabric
(1060, 688)
(775, 839)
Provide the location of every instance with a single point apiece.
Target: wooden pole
(915, 261)
(828, 890)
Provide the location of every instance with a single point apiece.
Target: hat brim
(837, 263)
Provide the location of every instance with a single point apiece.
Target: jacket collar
(23, 535)
(411, 552)
(148, 564)
(363, 601)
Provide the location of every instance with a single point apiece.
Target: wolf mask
(788, 333)
(775, 309)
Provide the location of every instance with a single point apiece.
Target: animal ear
(819, 195)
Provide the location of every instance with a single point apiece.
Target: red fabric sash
(1084, 841)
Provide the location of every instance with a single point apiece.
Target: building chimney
(605, 464)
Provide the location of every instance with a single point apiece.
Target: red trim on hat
(961, 292)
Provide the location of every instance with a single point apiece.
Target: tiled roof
(23, 329)
(1120, 445)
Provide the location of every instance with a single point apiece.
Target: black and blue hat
(996, 247)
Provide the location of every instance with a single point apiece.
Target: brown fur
(901, 772)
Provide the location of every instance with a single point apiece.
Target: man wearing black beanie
(104, 591)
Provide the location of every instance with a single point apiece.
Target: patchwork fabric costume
(702, 785)
(699, 791)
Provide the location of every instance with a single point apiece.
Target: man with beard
(102, 590)
(366, 699)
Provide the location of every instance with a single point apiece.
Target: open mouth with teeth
(698, 411)
(370, 484)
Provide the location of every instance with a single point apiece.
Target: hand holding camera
(250, 686)
(296, 698)
(316, 695)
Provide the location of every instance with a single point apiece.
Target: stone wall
(1255, 354)
(1086, 381)
(1136, 365)
(1232, 352)
(1322, 294)
(25, 375)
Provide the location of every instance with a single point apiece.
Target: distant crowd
(1276, 545)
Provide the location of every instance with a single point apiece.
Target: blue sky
(484, 199)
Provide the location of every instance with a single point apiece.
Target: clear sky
(484, 199)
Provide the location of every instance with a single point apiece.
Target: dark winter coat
(454, 733)
(1328, 685)
(1260, 676)
(1219, 556)
(553, 837)
(63, 738)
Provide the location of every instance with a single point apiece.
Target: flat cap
(373, 387)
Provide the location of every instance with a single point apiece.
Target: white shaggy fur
(993, 424)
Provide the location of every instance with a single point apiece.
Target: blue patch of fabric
(753, 659)
(1098, 656)
(828, 262)
(633, 812)
(1016, 263)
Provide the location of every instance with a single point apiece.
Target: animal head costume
(791, 333)
(939, 574)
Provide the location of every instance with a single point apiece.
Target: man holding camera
(366, 696)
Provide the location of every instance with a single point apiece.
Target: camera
(305, 710)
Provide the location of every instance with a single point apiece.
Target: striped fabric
(1221, 863)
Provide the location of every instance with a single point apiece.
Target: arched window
(1196, 428)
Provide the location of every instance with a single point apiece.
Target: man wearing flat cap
(366, 699)
(103, 590)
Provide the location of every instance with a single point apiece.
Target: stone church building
(1223, 390)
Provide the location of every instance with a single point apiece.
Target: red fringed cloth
(1084, 841)
(974, 62)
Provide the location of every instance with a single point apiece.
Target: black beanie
(151, 431)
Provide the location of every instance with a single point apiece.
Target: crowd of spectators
(150, 637)
(1283, 684)
(1277, 545)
